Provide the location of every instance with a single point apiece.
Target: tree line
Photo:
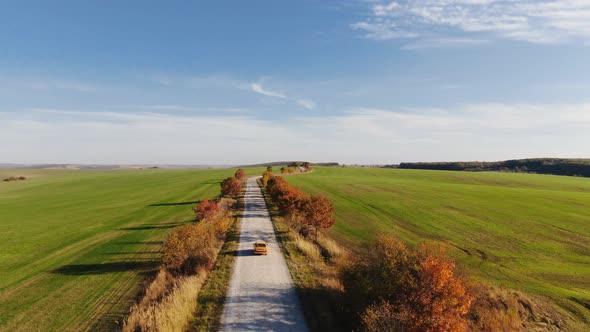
(555, 166)
(306, 214)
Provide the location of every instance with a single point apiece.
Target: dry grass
(316, 277)
(331, 247)
(500, 309)
(189, 253)
(158, 288)
(173, 312)
(308, 248)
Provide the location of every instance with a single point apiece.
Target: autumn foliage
(206, 209)
(231, 187)
(190, 248)
(318, 212)
(304, 211)
(240, 174)
(410, 290)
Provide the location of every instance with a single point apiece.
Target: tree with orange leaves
(318, 212)
(240, 174)
(290, 199)
(414, 290)
(438, 299)
(231, 187)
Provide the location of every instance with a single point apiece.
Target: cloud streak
(258, 88)
(360, 135)
(533, 21)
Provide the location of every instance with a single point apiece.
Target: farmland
(522, 231)
(76, 246)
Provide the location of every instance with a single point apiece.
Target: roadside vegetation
(78, 247)
(436, 218)
(188, 257)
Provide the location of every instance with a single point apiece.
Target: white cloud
(303, 102)
(258, 88)
(179, 108)
(535, 21)
(307, 103)
(361, 135)
(443, 43)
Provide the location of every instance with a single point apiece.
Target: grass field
(523, 231)
(76, 246)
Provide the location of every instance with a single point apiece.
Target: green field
(523, 231)
(76, 246)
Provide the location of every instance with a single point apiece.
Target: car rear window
(261, 244)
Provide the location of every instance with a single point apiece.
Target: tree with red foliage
(275, 187)
(231, 187)
(206, 208)
(318, 212)
(291, 199)
(240, 174)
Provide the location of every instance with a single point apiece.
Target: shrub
(190, 248)
(266, 176)
(422, 286)
(231, 187)
(381, 317)
(269, 169)
(240, 174)
(15, 178)
(283, 170)
(275, 187)
(206, 209)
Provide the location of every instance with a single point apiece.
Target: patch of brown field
(500, 309)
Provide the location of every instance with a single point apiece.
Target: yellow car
(260, 248)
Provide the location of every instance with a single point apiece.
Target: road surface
(262, 295)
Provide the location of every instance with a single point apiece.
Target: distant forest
(556, 166)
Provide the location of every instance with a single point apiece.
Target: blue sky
(233, 82)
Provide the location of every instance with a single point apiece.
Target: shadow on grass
(175, 204)
(156, 226)
(105, 268)
(132, 252)
(154, 243)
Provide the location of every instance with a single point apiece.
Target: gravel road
(262, 295)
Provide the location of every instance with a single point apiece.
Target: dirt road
(261, 295)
